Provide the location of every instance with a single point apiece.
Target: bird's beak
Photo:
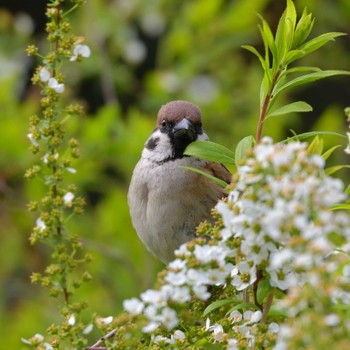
(184, 130)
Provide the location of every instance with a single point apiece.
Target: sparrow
(168, 202)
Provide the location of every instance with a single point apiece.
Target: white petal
(71, 320)
(88, 329)
(44, 75)
(107, 320)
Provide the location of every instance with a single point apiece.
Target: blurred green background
(144, 54)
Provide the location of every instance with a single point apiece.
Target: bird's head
(178, 124)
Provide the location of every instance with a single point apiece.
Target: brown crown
(175, 111)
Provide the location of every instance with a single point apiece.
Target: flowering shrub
(277, 232)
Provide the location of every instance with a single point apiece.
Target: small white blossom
(235, 316)
(48, 346)
(332, 320)
(32, 140)
(149, 328)
(88, 329)
(273, 327)
(179, 335)
(133, 306)
(71, 320)
(71, 170)
(44, 75)
(201, 292)
(53, 84)
(40, 224)
(67, 198)
(80, 51)
(37, 338)
(107, 320)
(168, 318)
(243, 276)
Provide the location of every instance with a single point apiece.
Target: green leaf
(243, 306)
(268, 38)
(341, 207)
(264, 288)
(308, 78)
(309, 134)
(319, 41)
(329, 152)
(316, 146)
(242, 147)
(303, 28)
(293, 56)
(294, 107)
(336, 168)
(303, 70)
(215, 305)
(210, 151)
(261, 59)
(220, 182)
(278, 312)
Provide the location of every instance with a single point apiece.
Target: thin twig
(97, 346)
(267, 306)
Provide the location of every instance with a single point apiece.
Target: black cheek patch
(152, 143)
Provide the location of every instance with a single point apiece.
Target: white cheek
(203, 137)
(162, 151)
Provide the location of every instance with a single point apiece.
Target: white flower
(273, 327)
(201, 292)
(154, 297)
(44, 75)
(71, 170)
(67, 198)
(243, 275)
(177, 264)
(176, 278)
(256, 317)
(88, 328)
(168, 318)
(40, 224)
(178, 335)
(32, 140)
(181, 294)
(133, 306)
(37, 338)
(235, 316)
(232, 344)
(149, 328)
(332, 320)
(71, 320)
(80, 51)
(48, 346)
(107, 320)
(53, 84)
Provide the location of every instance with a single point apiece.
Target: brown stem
(265, 106)
(267, 307)
(255, 288)
(97, 345)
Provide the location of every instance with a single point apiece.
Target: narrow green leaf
(329, 152)
(243, 306)
(303, 70)
(293, 55)
(220, 182)
(308, 78)
(294, 107)
(303, 28)
(264, 288)
(274, 311)
(242, 147)
(210, 151)
(269, 37)
(347, 190)
(309, 134)
(341, 207)
(291, 19)
(215, 305)
(319, 41)
(261, 59)
(316, 146)
(336, 168)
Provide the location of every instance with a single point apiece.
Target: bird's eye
(163, 123)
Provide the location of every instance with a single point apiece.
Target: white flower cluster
(277, 221)
(79, 52)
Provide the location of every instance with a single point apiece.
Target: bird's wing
(219, 171)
